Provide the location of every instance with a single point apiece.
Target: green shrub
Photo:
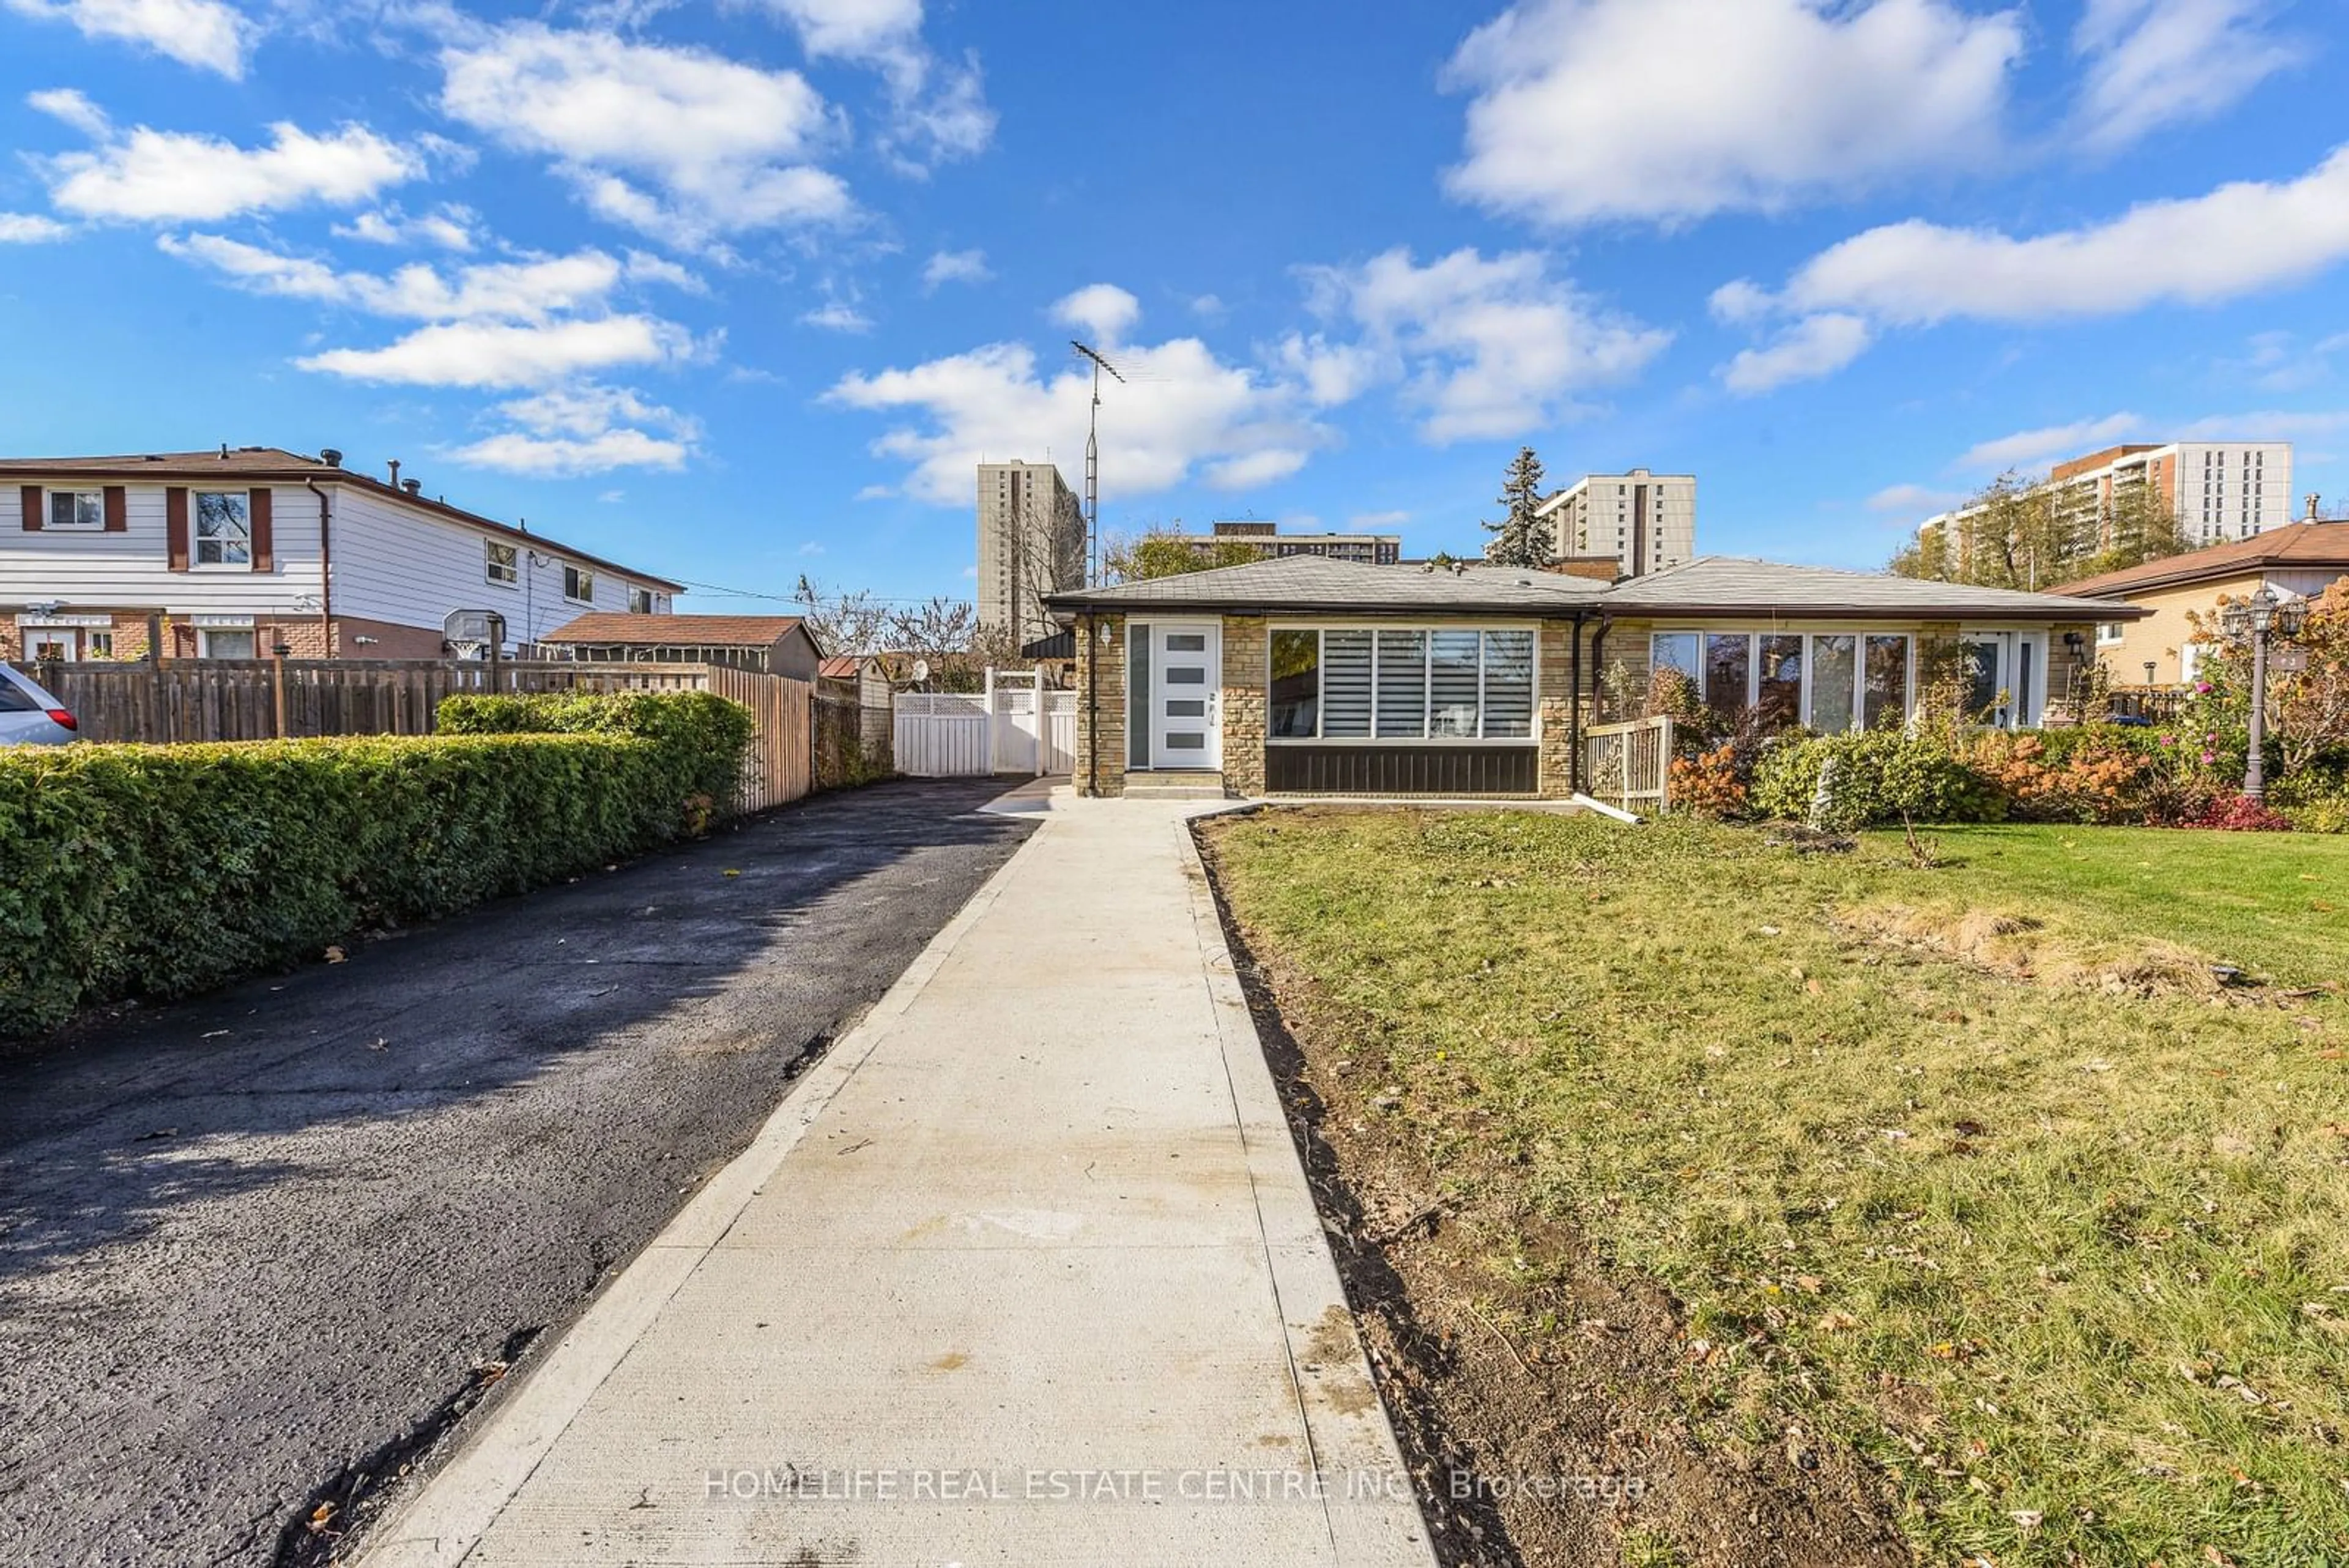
(707, 734)
(158, 871)
(1881, 775)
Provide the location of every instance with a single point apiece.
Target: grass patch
(1972, 1171)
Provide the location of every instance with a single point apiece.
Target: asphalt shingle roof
(684, 630)
(1316, 583)
(2294, 544)
(1718, 584)
(1708, 585)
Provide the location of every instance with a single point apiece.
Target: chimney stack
(2313, 499)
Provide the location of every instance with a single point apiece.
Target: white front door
(1186, 663)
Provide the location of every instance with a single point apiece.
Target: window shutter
(117, 509)
(257, 516)
(175, 527)
(32, 508)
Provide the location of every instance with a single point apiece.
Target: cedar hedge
(158, 871)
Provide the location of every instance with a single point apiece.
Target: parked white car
(29, 716)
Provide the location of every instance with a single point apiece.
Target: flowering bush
(2238, 814)
(1708, 783)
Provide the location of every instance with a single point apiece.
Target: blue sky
(741, 291)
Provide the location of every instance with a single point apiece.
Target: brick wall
(1246, 674)
(1101, 755)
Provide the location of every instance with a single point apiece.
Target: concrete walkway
(1026, 1273)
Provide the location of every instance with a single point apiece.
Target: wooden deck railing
(1629, 764)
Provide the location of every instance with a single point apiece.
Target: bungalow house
(229, 553)
(767, 644)
(1307, 676)
(2297, 560)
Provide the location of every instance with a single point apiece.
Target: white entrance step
(1167, 783)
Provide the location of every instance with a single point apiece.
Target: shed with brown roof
(769, 644)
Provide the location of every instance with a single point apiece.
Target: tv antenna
(1092, 465)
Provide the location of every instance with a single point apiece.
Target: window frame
(1809, 631)
(1427, 630)
(49, 522)
(650, 600)
(490, 548)
(197, 539)
(584, 576)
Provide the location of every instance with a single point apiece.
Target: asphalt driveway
(255, 1244)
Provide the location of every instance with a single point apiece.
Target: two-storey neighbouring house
(231, 554)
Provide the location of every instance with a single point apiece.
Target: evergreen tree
(1520, 538)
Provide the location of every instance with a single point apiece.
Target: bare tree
(843, 622)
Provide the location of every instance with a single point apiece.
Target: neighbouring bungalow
(767, 644)
(1306, 676)
(2298, 560)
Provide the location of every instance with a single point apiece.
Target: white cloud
(498, 354)
(29, 229)
(1669, 110)
(1102, 311)
(532, 289)
(2038, 448)
(2152, 63)
(1185, 411)
(447, 226)
(1208, 307)
(955, 266)
(584, 429)
(939, 109)
(1814, 347)
(723, 145)
(201, 33)
(1914, 500)
(2236, 240)
(838, 316)
(1483, 348)
(166, 176)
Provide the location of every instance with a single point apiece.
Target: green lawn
(1972, 1169)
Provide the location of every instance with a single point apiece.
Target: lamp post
(2264, 613)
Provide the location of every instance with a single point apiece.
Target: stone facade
(1100, 746)
(1554, 708)
(1248, 673)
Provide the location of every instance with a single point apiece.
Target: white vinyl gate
(1022, 729)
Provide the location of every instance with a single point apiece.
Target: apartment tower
(1031, 541)
(1646, 520)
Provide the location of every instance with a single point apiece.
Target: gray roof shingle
(1302, 583)
(1708, 585)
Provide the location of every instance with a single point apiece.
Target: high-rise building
(2218, 491)
(1369, 549)
(1031, 541)
(1646, 520)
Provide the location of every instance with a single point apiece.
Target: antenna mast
(1093, 466)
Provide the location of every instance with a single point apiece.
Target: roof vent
(394, 474)
(413, 487)
(330, 457)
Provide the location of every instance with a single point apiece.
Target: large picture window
(1828, 681)
(1449, 683)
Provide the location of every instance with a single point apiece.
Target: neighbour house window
(2109, 633)
(640, 601)
(578, 585)
(503, 563)
(224, 532)
(226, 642)
(1352, 684)
(76, 509)
(101, 644)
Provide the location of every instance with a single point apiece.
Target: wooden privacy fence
(1629, 764)
(265, 699)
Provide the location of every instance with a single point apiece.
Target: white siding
(411, 568)
(131, 570)
(391, 563)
